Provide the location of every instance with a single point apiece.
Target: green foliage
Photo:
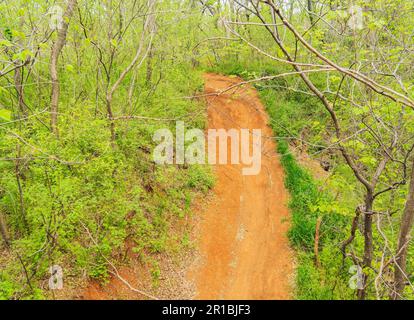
(307, 203)
(200, 179)
(304, 194)
(75, 199)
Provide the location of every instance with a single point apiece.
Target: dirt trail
(242, 239)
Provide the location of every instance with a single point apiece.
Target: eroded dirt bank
(242, 237)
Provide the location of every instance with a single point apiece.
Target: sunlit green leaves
(23, 55)
(5, 114)
(8, 34)
(5, 43)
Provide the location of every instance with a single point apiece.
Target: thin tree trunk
(368, 242)
(310, 11)
(54, 60)
(18, 79)
(354, 227)
(18, 84)
(316, 246)
(17, 170)
(3, 230)
(150, 28)
(407, 221)
(149, 67)
(150, 53)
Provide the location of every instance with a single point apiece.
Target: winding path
(243, 244)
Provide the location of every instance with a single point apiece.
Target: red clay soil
(243, 244)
